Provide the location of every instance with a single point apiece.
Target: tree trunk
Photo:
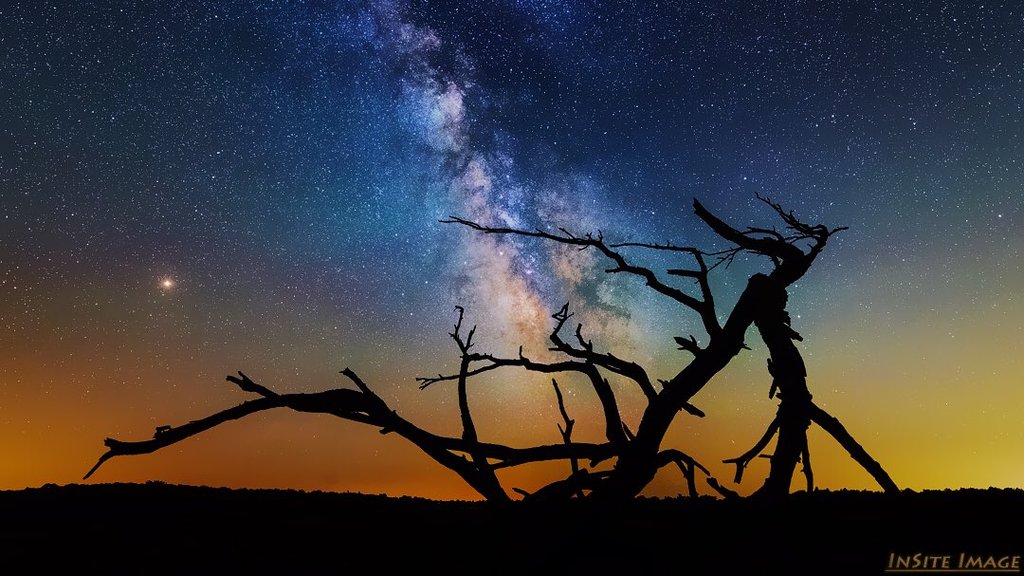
(789, 378)
(638, 464)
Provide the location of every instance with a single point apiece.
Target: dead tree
(785, 365)
(636, 456)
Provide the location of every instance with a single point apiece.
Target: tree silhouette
(637, 456)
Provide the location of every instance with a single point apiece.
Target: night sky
(189, 189)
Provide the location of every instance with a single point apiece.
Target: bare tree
(637, 456)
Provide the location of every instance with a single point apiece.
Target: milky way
(195, 189)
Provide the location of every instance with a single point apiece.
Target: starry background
(194, 188)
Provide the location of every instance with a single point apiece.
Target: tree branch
(772, 247)
(608, 361)
(744, 459)
(609, 405)
(725, 492)
(563, 489)
(621, 264)
(689, 344)
(805, 457)
(248, 385)
(566, 431)
(366, 407)
(347, 404)
(836, 429)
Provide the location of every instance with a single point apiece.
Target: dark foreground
(164, 529)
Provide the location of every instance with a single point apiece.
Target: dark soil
(164, 529)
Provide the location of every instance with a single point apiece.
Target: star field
(213, 186)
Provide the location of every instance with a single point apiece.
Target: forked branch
(605, 360)
(364, 406)
(475, 363)
(704, 308)
(744, 459)
(566, 430)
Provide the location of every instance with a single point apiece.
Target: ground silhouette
(157, 528)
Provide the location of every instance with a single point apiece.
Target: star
(167, 283)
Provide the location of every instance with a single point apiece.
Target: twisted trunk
(789, 378)
(637, 465)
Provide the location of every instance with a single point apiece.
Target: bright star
(167, 283)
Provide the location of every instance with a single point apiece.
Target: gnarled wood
(638, 457)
